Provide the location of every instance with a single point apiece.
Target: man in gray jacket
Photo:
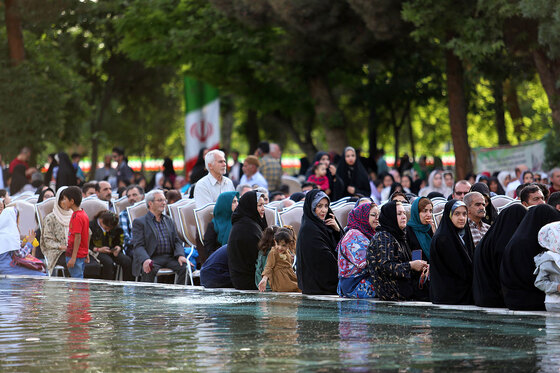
(156, 243)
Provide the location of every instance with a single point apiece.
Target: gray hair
(469, 198)
(240, 188)
(151, 195)
(210, 157)
(261, 190)
(553, 171)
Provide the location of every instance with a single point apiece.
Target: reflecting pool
(53, 325)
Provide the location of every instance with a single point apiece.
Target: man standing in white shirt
(215, 183)
(251, 174)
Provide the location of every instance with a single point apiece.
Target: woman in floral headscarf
(354, 280)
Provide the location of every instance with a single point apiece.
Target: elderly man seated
(156, 243)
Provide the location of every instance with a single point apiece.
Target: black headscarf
(501, 190)
(487, 290)
(388, 223)
(199, 169)
(355, 175)
(396, 187)
(491, 212)
(168, 170)
(48, 175)
(317, 268)
(336, 184)
(18, 179)
(451, 266)
(516, 271)
(42, 194)
(66, 175)
(246, 231)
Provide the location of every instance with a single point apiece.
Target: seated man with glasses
(156, 243)
(461, 188)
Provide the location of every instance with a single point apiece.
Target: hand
(116, 251)
(332, 223)
(351, 189)
(63, 248)
(558, 288)
(104, 250)
(71, 263)
(262, 284)
(182, 260)
(31, 236)
(418, 265)
(332, 169)
(87, 258)
(146, 266)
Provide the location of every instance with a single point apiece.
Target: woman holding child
(248, 223)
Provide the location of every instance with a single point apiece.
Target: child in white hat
(548, 266)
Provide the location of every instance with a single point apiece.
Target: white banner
(505, 158)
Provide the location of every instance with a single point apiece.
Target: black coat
(516, 271)
(317, 265)
(451, 266)
(487, 290)
(246, 232)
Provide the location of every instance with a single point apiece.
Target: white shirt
(207, 189)
(257, 178)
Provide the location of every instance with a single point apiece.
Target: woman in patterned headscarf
(354, 280)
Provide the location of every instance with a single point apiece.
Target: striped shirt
(478, 232)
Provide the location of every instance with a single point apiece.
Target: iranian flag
(202, 122)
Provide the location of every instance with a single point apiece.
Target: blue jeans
(78, 270)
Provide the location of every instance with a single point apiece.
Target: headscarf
(447, 228)
(222, 216)
(487, 289)
(443, 189)
(66, 175)
(420, 230)
(516, 271)
(388, 222)
(317, 198)
(248, 208)
(501, 190)
(9, 232)
(355, 175)
(549, 237)
(358, 219)
(62, 216)
(199, 171)
(502, 177)
(42, 194)
(491, 212)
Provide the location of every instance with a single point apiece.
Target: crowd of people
(391, 248)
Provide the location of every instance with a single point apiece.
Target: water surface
(48, 325)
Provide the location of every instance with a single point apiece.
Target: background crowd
(493, 240)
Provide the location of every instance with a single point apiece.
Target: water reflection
(98, 327)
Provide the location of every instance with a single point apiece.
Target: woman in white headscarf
(10, 243)
(435, 184)
(54, 236)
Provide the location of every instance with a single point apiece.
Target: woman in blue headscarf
(217, 232)
(419, 229)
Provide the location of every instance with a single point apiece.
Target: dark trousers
(108, 269)
(166, 261)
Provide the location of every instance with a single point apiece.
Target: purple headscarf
(358, 219)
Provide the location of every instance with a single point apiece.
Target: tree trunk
(514, 109)
(95, 125)
(328, 114)
(372, 133)
(13, 28)
(396, 132)
(306, 144)
(498, 93)
(549, 73)
(458, 115)
(252, 130)
(411, 134)
(228, 109)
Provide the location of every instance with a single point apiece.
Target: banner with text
(505, 158)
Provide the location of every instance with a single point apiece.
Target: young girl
(319, 177)
(279, 263)
(264, 246)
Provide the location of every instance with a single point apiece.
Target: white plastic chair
(202, 217)
(292, 216)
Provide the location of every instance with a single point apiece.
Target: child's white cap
(549, 237)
